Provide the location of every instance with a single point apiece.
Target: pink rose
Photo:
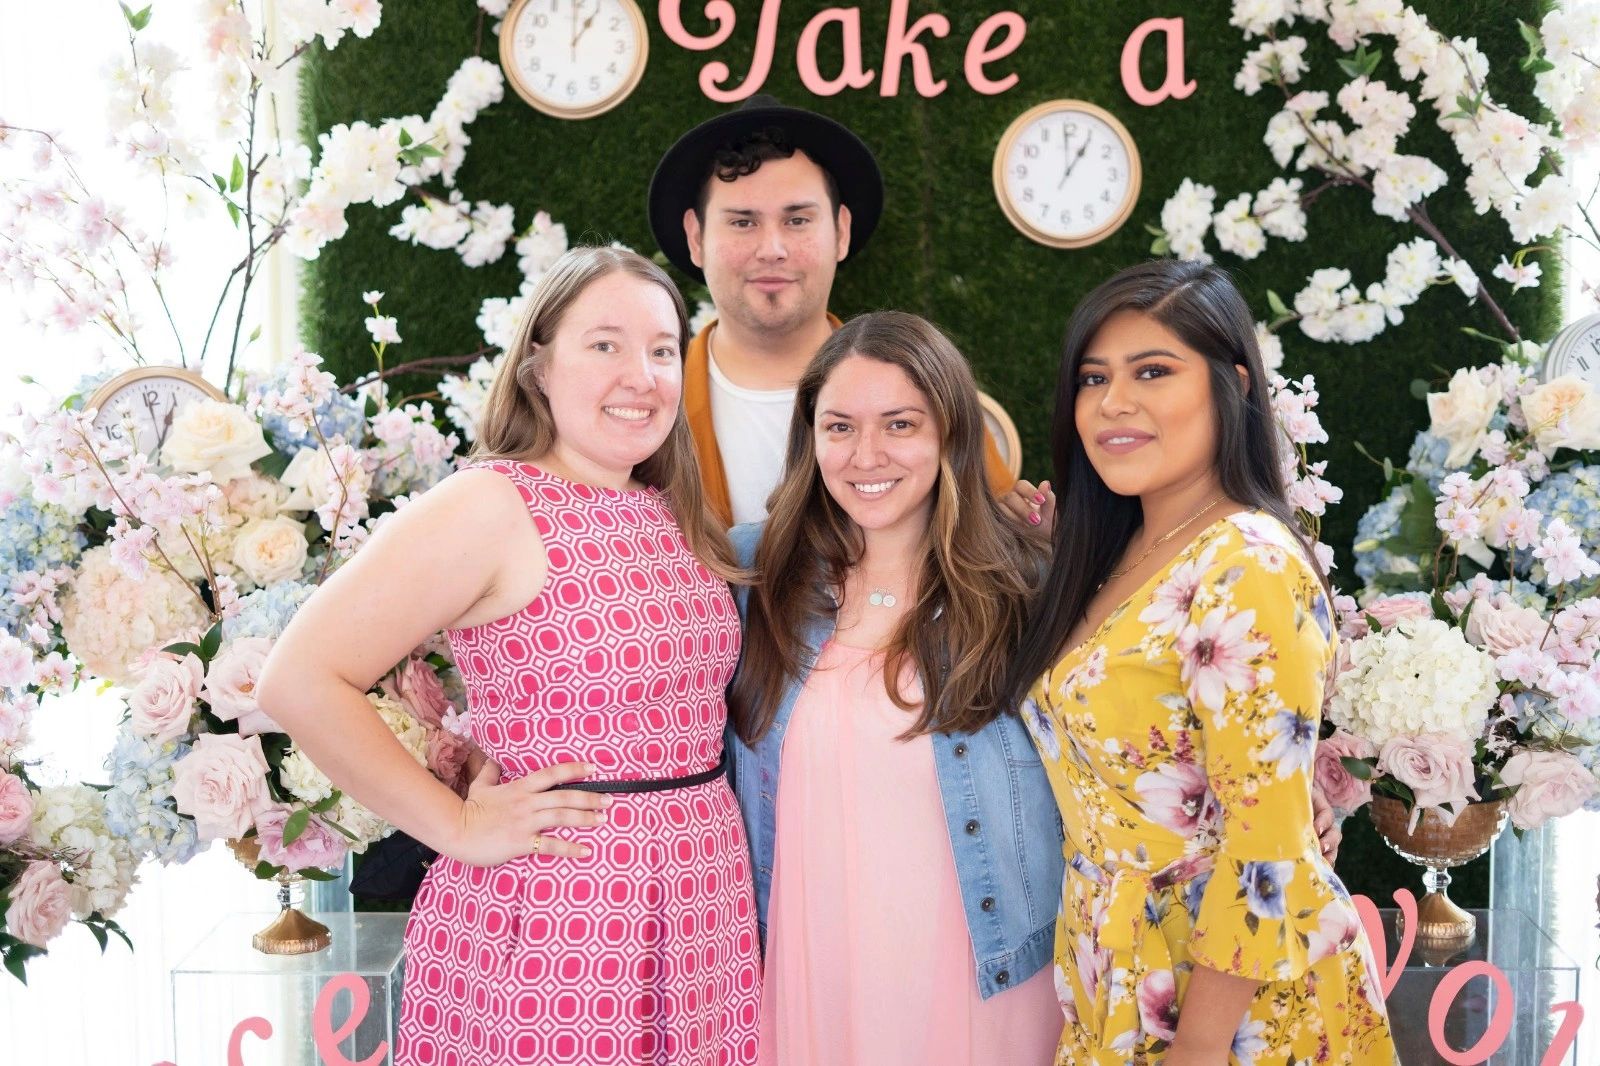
(1391, 609)
(318, 846)
(1550, 784)
(416, 684)
(221, 783)
(163, 702)
(447, 757)
(1501, 625)
(41, 904)
(1437, 767)
(16, 808)
(1344, 791)
(231, 686)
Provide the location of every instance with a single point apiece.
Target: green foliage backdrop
(944, 250)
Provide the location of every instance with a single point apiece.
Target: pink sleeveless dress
(645, 952)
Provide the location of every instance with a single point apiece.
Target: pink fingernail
(1033, 519)
(1038, 497)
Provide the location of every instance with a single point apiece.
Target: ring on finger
(538, 844)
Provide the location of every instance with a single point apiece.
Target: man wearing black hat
(762, 203)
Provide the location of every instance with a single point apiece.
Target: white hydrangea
(72, 818)
(109, 619)
(1419, 676)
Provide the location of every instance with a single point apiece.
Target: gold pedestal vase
(1443, 928)
(293, 931)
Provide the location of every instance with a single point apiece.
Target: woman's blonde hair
(974, 575)
(517, 423)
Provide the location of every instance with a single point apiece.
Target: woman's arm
(438, 562)
(1213, 1007)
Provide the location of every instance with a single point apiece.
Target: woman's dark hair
(1093, 526)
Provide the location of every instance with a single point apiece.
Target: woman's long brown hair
(517, 423)
(976, 570)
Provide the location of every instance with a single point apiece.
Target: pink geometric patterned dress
(645, 953)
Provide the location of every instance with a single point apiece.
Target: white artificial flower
(1418, 676)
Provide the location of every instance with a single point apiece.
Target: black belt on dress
(659, 784)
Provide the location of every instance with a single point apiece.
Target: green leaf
(265, 870)
(273, 464)
(121, 935)
(1419, 389)
(182, 648)
(327, 803)
(212, 642)
(1441, 610)
(295, 826)
(99, 936)
(236, 176)
(233, 212)
(1482, 336)
(1530, 35)
(1161, 246)
(1537, 65)
(1276, 304)
(222, 182)
(142, 19)
(405, 138)
(1388, 470)
(314, 874)
(1467, 104)
(1360, 769)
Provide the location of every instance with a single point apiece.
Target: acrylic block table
(1538, 974)
(224, 981)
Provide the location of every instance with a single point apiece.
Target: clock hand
(585, 27)
(1087, 138)
(1066, 150)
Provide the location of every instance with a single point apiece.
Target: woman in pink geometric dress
(584, 594)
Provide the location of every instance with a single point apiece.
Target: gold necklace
(1187, 522)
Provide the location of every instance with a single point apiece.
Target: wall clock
(152, 395)
(1576, 350)
(1067, 173)
(574, 58)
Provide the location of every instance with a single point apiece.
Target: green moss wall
(943, 250)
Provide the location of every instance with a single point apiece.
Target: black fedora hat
(675, 188)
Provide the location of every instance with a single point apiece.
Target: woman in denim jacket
(909, 871)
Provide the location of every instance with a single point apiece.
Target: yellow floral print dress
(1179, 740)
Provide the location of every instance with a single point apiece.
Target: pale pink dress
(868, 957)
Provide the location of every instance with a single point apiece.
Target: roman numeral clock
(1067, 173)
(574, 58)
(1576, 351)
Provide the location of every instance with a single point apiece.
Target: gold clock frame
(1020, 221)
(123, 380)
(1005, 430)
(508, 33)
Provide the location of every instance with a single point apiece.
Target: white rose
(1461, 414)
(270, 549)
(1563, 413)
(210, 435)
(161, 705)
(254, 496)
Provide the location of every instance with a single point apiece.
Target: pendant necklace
(1187, 522)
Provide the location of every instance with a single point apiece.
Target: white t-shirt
(752, 427)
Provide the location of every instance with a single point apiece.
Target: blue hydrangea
(1427, 458)
(33, 536)
(79, 394)
(403, 475)
(266, 612)
(339, 415)
(1381, 522)
(139, 807)
(1573, 496)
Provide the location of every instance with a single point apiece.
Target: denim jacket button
(960, 750)
(1003, 977)
(972, 827)
(988, 903)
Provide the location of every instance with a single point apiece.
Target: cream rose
(211, 435)
(41, 904)
(254, 496)
(1499, 625)
(231, 686)
(1564, 413)
(1437, 767)
(270, 549)
(1549, 784)
(161, 705)
(221, 783)
(1461, 414)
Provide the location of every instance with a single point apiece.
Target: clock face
(1067, 174)
(152, 398)
(574, 58)
(1576, 351)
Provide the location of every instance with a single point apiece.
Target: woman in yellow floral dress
(1172, 677)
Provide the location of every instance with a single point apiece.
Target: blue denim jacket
(1005, 829)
